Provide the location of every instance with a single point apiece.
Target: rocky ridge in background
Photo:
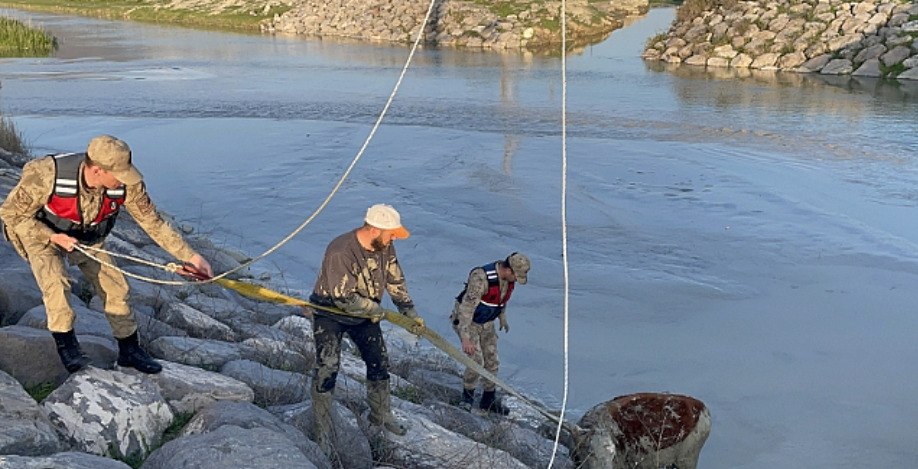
(829, 37)
(234, 388)
(458, 23)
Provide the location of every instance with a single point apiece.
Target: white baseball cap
(385, 217)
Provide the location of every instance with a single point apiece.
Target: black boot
(69, 350)
(491, 403)
(468, 396)
(130, 354)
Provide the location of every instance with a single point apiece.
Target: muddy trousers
(47, 262)
(484, 336)
(327, 333)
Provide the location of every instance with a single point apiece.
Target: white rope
(168, 267)
(366, 143)
(563, 223)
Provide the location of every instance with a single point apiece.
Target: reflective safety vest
(62, 211)
(491, 304)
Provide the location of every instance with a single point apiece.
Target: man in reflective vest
(483, 300)
(74, 198)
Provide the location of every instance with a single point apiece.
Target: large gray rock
(248, 416)
(215, 307)
(282, 354)
(229, 446)
(436, 385)
(87, 322)
(199, 352)
(109, 413)
(297, 326)
(837, 67)
(910, 74)
(350, 445)
(68, 460)
(149, 328)
(272, 387)
(30, 355)
(189, 389)
(430, 446)
(526, 445)
(470, 424)
(870, 68)
(196, 323)
(18, 290)
(24, 428)
(896, 55)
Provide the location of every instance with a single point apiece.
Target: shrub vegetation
(20, 40)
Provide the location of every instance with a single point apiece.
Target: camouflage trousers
(47, 262)
(327, 333)
(484, 336)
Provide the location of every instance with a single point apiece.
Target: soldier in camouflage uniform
(483, 300)
(72, 198)
(359, 266)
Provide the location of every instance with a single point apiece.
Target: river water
(749, 239)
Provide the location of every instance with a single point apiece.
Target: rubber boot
(380, 410)
(491, 403)
(468, 397)
(68, 348)
(322, 403)
(130, 354)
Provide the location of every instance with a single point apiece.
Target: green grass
(40, 391)
(504, 9)
(408, 393)
(660, 37)
(691, 9)
(19, 40)
(893, 70)
(239, 19)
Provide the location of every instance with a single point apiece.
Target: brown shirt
(36, 186)
(350, 271)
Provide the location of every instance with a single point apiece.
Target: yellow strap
(261, 293)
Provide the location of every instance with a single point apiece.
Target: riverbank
(829, 37)
(503, 25)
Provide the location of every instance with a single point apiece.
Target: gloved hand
(504, 325)
(376, 312)
(419, 322)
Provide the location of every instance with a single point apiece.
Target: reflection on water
(833, 115)
(508, 98)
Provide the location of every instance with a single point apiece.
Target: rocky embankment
(460, 23)
(234, 391)
(830, 37)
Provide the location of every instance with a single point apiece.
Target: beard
(378, 244)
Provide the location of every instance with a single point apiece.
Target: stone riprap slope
(235, 383)
(830, 37)
(504, 26)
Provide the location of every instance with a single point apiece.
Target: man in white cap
(358, 267)
(74, 198)
(483, 300)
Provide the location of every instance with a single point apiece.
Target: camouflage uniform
(484, 336)
(354, 279)
(32, 239)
